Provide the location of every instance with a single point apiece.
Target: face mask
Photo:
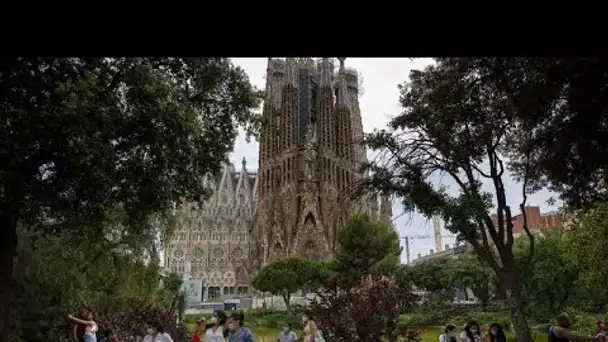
(285, 329)
(213, 320)
(231, 326)
(150, 331)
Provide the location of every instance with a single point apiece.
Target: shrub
(368, 312)
(129, 325)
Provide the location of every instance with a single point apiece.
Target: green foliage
(459, 122)
(89, 136)
(285, 276)
(57, 274)
(430, 275)
(138, 131)
(468, 271)
(366, 247)
(549, 277)
(589, 253)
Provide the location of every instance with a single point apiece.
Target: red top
(195, 337)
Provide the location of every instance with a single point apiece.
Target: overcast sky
(378, 103)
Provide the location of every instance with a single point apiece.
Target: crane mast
(437, 231)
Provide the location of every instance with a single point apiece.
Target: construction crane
(407, 239)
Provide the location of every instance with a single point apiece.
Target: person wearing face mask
(156, 333)
(471, 333)
(496, 334)
(215, 329)
(562, 333)
(311, 332)
(237, 332)
(449, 334)
(199, 330)
(287, 335)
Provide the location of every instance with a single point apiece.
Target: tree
(566, 104)
(59, 273)
(366, 247)
(458, 122)
(549, 277)
(468, 271)
(287, 275)
(368, 311)
(84, 136)
(588, 251)
(429, 275)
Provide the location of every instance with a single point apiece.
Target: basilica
(301, 194)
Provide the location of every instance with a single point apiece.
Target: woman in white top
(156, 333)
(90, 332)
(311, 332)
(471, 333)
(215, 332)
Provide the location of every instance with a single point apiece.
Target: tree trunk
(516, 301)
(8, 246)
(286, 298)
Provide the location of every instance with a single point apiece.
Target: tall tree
(366, 247)
(570, 136)
(456, 122)
(287, 275)
(82, 135)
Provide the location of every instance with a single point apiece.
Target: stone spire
(342, 91)
(291, 69)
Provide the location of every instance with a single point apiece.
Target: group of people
(86, 329)
(558, 333)
(472, 333)
(221, 328)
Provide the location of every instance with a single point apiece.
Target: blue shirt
(243, 335)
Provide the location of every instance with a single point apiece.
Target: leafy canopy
(366, 247)
(285, 276)
(83, 134)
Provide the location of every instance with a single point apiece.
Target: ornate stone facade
(309, 160)
(211, 242)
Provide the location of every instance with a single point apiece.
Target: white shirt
(164, 337)
(214, 336)
(465, 338)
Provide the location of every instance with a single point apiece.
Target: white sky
(378, 103)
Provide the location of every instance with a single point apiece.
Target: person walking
(214, 332)
(562, 333)
(449, 334)
(471, 333)
(90, 330)
(198, 331)
(287, 335)
(496, 334)
(156, 333)
(237, 332)
(311, 331)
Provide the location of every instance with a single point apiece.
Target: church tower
(309, 159)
